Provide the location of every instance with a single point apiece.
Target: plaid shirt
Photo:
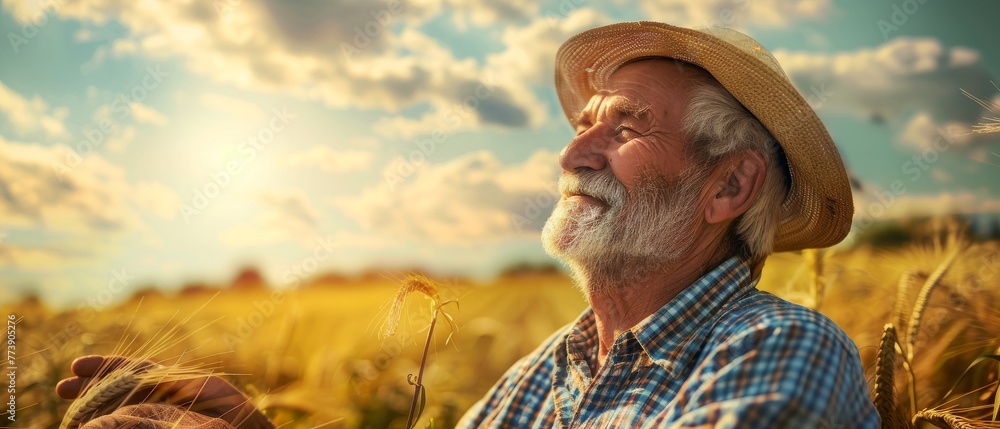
(721, 354)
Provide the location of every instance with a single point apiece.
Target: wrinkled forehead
(678, 69)
(656, 76)
(655, 85)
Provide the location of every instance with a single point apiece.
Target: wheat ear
(884, 391)
(99, 395)
(944, 419)
(412, 283)
(906, 282)
(913, 328)
(117, 385)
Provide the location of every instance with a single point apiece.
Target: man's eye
(626, 132)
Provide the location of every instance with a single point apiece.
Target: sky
(161, 143)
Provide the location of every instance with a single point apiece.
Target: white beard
(638, 235)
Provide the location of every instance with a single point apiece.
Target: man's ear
(737, 180)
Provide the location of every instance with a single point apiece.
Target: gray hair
(717, 126)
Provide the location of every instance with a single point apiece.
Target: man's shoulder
(762, 315)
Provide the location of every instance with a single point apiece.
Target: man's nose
(586, 151)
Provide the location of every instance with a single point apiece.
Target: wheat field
(314, 356)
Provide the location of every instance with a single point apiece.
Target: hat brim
(818, 209)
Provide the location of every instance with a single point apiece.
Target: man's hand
(210, 395)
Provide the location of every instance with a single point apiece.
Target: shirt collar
(667, 337)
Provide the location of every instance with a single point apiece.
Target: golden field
(312, 356)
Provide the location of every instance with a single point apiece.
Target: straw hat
(818, 209)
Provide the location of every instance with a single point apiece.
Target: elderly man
(694, 158)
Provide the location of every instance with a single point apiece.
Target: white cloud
(291, 207)
(144, 114)
(28, 258)
(122, 132)
(32, 115)
(940, 205)
(734, 13)
(82, 212)
(941, 175)
(95, 62)
(300, 51)
(89, 197)
(487, 12)
(288, 215)
(527, 61)
(316, 52)
(329, 160)
(78, 214)
(915, 83)
(531, 49)
(84, 35)
(470, 198)
(891, 79)
(922, 132)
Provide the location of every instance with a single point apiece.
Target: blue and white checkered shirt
(721, 354)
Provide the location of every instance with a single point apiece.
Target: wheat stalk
(417, 283)
(916, 315)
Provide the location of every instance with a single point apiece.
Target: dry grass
(989, 124)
